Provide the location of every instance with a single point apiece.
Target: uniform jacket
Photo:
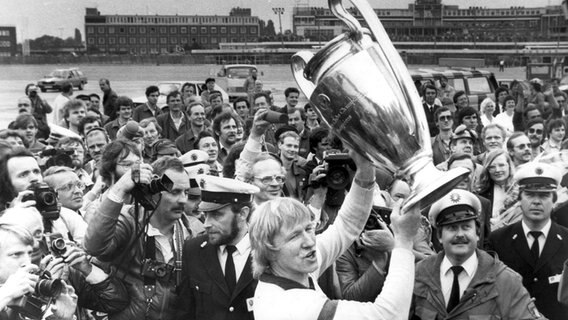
(511, 245)
(495, 292)
(204, 292)
(111, 238)
(169, 130)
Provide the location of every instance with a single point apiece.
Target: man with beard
(148, 257)
(218, 281)
(109, 99)
(535, 132)
(196, 114)
(225, 127)
(462, 281)
(536, 247)
(519, 148)
(77, 158)
(40, 109)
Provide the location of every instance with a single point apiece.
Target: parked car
(56, 79)
(232, 77)
(477, 84)
(168, 86)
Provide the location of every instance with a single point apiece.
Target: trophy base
(432, 184)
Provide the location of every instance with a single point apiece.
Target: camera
(378, 214)
(156, 270)
(55, 244)
(34, 305)
(46, 200)
(337, 176)
(276, 117)
(57, 157)
(143, 193)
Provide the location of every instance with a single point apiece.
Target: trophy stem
(429, 184)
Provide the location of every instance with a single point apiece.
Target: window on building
(213, 29)
(91, 41)
(152, 29)
(183, 29)
(223, 39)
(111, 40)
(173, 40)
(121, 30)
(164, 40)
(193, 30)
(101, 40)
(101, 29)
(184, 40)
(111, 30)
(90, 30)
(142, 40)
(132, 30)
(243, 30)
(223, 29)
(143, 51)
(163, 30)
(203, 30)
(142, 29)
(252, 30)
(153, 40)
(233, 29)
(132, 40)
(122, 40)
(213, 39)
(173, 30)
(203, 40)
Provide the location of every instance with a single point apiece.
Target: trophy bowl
(359, 85)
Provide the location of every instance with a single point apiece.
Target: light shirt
(505, 121)
(177, 122)
(541, 240)
(240, 256)
(499, 195)
(164, 243)
(464, 278)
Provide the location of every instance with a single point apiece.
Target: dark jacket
(109, 104)
(169, 130)
(440, 152)
(298, 190)
(512, 247)
(111, 238)
(430, 118)
(204, 293)
(143, 112)
(495, 292)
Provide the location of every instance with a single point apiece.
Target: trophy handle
(339, 11)
(299, 62)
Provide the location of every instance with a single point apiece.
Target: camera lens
(160, 272)
(48, 198)
(58, 244)
(337, 178)
(49, 288)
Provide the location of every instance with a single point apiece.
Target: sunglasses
(445, 118)
(537, 131)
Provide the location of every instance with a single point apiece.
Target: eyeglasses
(268, 179)
(537, 131)
(445, 118)
(71, 186)
(522, 146)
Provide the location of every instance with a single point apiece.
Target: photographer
(77, 157)
(146, 253)
(21, 182)
(19, 279)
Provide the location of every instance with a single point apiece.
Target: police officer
(462, 281)
(536, 247)
(218, 280)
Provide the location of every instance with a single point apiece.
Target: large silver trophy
(360, 86)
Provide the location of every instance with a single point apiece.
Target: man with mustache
(536, 247)
(146, 253)
(462, 281)
(519, 148)
(95, 140)
(217, 270)
(225, 127)
(535, 132)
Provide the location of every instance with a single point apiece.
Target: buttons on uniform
(535, 280)
(231, 309)
(197, 288)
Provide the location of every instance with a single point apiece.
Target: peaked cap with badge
(538, 177)
(195, 163)
(456, 206)
(218, 192)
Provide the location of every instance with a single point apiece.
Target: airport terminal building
(161, 34)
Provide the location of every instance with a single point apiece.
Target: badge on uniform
(250, 304)
(554, 279)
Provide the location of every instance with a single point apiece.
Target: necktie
(230, 275)
(535, 252)
(455, 294)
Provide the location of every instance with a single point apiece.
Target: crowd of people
(206, 209)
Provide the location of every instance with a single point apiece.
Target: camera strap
(178, 249)
(149, 282)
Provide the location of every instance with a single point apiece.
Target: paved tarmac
(131, 80)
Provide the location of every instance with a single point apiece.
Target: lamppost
(280, 12)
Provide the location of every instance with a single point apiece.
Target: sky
(34, 18)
